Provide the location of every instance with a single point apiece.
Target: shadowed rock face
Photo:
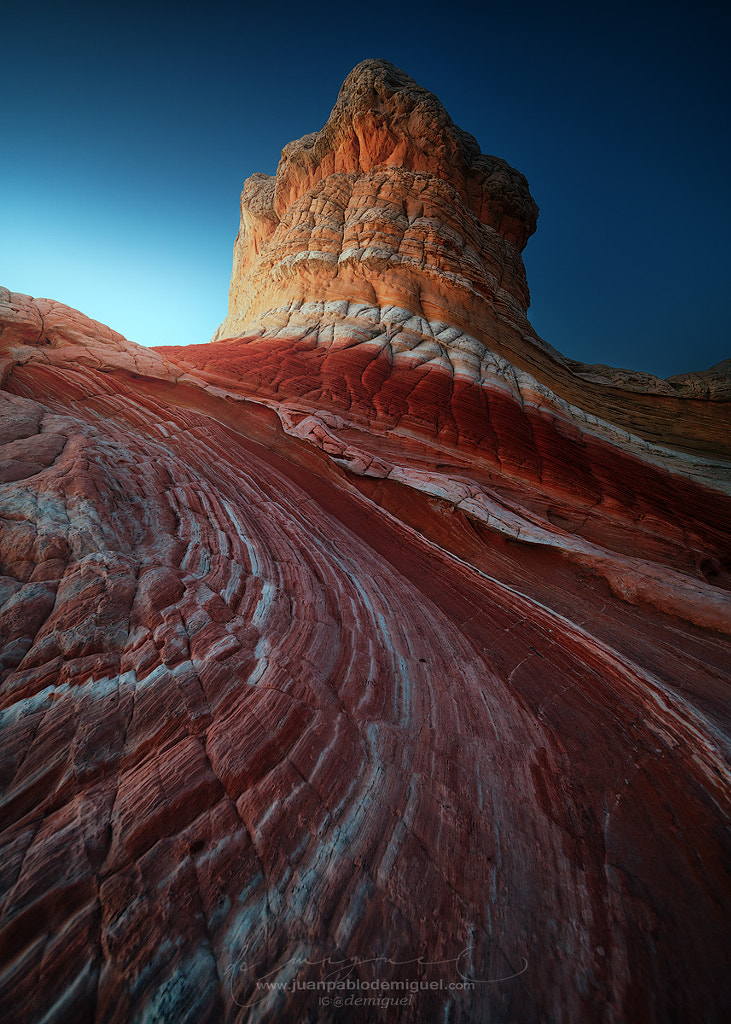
(380, 635)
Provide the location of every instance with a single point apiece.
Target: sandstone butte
(373, 643)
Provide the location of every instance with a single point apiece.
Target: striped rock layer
(374, 645)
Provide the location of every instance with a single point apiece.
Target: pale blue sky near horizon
(130, 130)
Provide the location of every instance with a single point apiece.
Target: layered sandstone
(377, 643)
(389, 205)
(390, 227)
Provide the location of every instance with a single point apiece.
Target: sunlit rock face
(389, 205)
(390, 233)
(377, 646)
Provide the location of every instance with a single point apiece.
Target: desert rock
(373, 642)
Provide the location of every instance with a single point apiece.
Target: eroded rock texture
(377, 634)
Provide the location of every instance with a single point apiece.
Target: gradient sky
(130, 128)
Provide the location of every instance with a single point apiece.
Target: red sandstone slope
(323, 646)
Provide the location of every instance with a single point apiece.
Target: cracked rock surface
(370, 638)
(392, 207)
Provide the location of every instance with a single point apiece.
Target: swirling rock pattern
(354, 652)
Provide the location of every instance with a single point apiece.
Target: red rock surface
(384, 641)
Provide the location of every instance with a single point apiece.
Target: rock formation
(373, 645)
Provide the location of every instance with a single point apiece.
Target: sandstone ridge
(390, 230)
(277, 687)
(375, 634)
(390, 184)
(383, 118)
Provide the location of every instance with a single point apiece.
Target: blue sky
(130, 128)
